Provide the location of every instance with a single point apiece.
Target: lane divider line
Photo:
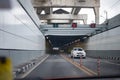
(77, 65)
(83, 68)
(87, 69)
(27, 73)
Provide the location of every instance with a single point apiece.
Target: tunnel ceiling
(60, 41)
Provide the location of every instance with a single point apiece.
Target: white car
(78, 52)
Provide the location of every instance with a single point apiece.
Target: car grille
(79, 53)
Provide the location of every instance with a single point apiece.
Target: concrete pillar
(35, 10)
(96, 11)
(75, 11)
(71, 21)
(51, 10)
(39, 11)
(85, 21)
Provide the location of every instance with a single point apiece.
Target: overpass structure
(76, 5)
(68, 30)
(23, 38)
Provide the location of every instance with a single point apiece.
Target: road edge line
(27, 73)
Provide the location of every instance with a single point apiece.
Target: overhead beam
(67, 30)
(66, 3)
(70, 33)
(47, 10)
(63, 17)
(75, 11)
(58, 21)
(64, 21)
(82, 0)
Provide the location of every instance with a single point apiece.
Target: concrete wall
(106, 44)
(20, 37)
(21, 56)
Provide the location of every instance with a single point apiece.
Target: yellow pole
(5, 68)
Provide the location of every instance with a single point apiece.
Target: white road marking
(110, 63)
(23, 76)
(105, 61)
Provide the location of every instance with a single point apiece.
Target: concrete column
(35, 10)
(85, 21)
(96, 11)
(75, 11)
(39, 11)
(51, 10)
(71, 21)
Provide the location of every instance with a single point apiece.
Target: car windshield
(79, 49)
(75, 49)
(59, 39)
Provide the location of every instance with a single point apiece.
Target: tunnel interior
(63, 42)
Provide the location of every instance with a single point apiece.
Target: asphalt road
(56, 66)
(106, 68)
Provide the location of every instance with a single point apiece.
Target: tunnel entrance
(60, 44)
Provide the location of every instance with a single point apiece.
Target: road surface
(62, 66)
